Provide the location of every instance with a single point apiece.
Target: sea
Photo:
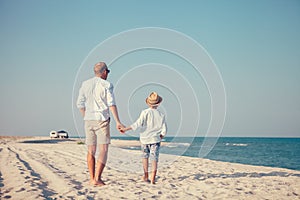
(271, 152)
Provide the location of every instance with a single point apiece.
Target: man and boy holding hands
(95, 101)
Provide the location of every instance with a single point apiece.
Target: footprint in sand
(20, 190)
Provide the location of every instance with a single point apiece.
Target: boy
(153, 128)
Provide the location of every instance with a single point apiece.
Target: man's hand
(120, 126)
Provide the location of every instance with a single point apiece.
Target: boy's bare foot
(97, 183)
(152, 180)
(145, 179)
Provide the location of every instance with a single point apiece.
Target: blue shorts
(150, 150)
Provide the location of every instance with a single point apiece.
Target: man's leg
(91, 162)
(101, 162)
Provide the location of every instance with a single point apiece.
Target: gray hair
(100, 67)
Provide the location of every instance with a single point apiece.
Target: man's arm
(113, 109)
(81, 101)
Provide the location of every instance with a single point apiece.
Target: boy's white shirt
(152, 124)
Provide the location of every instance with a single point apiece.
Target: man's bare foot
(153, 182)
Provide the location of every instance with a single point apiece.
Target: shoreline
(119, 143)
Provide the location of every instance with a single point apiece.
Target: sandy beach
(41, 168)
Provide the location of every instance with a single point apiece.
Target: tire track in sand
(41, 177)
(25, 180)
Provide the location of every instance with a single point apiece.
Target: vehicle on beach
(59, 134)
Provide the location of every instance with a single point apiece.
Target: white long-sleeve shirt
(152, 124)
(96, 95)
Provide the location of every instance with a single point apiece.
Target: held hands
(120, 127)
(124, 129)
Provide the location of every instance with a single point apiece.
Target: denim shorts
(150, 150)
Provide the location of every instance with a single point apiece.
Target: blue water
(272, 152)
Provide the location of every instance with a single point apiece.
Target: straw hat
(153, 99)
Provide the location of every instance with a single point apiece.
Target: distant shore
(39, 168)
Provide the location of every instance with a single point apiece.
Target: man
(95, 100)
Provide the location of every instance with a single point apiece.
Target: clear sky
(254, 44)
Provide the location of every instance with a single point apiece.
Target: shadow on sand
(49, 141)
(238, 175)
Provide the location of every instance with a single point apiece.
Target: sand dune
(39, 168)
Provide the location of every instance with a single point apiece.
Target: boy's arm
(139, 122)
(163, 130)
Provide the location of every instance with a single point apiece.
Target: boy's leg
(145, 159)
(145, 167)
(154, 170)
(154, 154)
